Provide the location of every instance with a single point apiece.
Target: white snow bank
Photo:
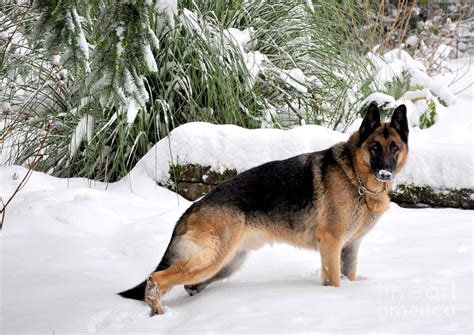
(41, 183)
(432, 162)
(454, 125)
(231, 147)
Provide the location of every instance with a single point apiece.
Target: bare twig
(10, 39)
(9, 130)
(459, 77)
(465, 88)
(25, 179)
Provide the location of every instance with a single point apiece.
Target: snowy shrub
(115, 77)
(428, 118)
(32, 87)
(398, 78)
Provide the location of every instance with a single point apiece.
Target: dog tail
(137, 292)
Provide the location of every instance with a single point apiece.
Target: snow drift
(432, 161)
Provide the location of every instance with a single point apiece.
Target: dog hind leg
(349, 259)
(199, 253)
(233, 265)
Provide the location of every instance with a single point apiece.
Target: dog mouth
(384, 176)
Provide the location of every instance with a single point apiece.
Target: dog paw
(336, 282)
(156, 309)
(152, 298)
(356, 278)
(193, 289)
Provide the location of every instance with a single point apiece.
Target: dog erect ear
(400, 122)
(370, 122)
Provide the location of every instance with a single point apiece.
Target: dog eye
(395, 148)
(375, 148)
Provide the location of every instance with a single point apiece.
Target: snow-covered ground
(68, 246)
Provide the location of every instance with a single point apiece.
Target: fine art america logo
(418, 300)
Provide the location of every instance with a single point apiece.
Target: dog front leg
(330, 250)
(349, 259)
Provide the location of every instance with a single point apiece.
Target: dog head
(382, 148)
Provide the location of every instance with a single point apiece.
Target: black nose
(384, 175)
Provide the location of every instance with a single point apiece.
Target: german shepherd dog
(326, 200)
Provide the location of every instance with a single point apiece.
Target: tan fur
(210, 238)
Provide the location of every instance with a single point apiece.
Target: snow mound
(231, 147)
(432, 161)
